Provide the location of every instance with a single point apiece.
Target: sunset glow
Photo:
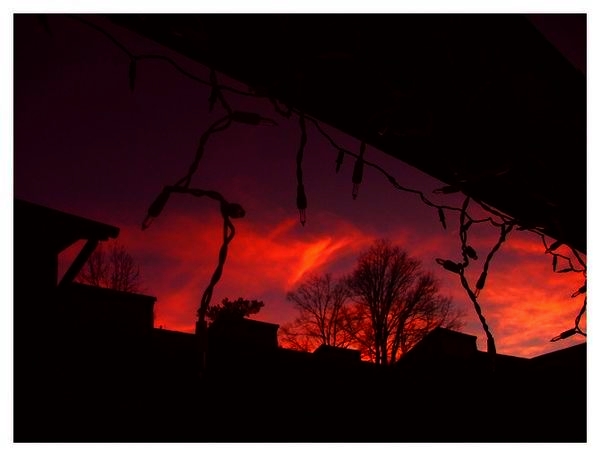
(524, 302)
(153, 133)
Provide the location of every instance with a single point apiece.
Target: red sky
(85, 144)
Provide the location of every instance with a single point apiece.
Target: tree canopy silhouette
(321, 303)
(397, 303)
(115, 269)
(237, 309)
(384, 307)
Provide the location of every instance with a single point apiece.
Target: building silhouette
(90, 367)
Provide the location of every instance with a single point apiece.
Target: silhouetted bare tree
(320, 301)
(239, 308)
(397, 303)
(393, 304)
(115, 269)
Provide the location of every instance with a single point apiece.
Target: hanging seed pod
(564, 334)
(442, 217)
(357, 175)
(156, 208)
(481, 282)
(233, 210)
(357, 172)
(450, 265)
(301, 203)
(339, 160)
(470, 252)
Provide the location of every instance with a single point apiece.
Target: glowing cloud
(524, 302)
(179, 255)
(315, 255)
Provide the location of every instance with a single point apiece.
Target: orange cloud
(180, 253)
(315, 255)
(524, 302)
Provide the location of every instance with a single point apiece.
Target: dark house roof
(41, 233)
(566, 359)
(56, 229)
(91, 307)
(444, 341)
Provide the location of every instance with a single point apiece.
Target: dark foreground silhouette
(90, 367)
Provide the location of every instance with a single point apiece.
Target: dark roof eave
(56, 228)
